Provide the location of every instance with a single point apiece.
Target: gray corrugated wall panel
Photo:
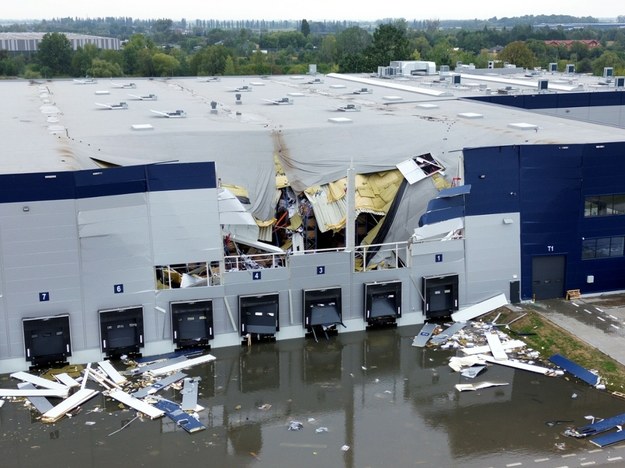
(603, 115)
(493, 255)
(185, 226)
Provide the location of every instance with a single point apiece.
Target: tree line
(163, 48)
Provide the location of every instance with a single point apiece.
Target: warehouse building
(146, 216)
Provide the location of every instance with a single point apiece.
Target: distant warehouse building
(29, 41)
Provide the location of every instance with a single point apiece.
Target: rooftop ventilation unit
(455, 80)
(619, 82)
(543, 85)
(570, 68)
(553, 67)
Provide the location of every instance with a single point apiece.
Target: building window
(603, 247)
(604, 205)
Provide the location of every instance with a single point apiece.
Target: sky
(311, 10)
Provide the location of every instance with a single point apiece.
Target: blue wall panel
(494, 177)
(103, 182)
(556, 101)
(551, 183)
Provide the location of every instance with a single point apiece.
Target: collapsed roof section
(322, 209)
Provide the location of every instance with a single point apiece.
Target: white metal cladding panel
(115, 244)
(40, 265)
(39, 251)
(185, 226)
(493, 254)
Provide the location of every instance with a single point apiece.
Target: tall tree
(390, 43)
(519, 54)
(305, 29)
(54, 54)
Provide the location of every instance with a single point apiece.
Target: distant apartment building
(29, 41)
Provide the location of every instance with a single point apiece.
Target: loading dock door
(382, 301)
(440, 295)
(259, 314)
(121, 331)
(548, 276)
(192, 323)
(47, 339)
(322, 307)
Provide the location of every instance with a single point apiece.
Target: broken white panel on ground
(60, 410)
(156, 365)
(478, 386)
(115, 376)
(137, 404)
(67, 380)
(494, 343)
(520, 365)
(506, 345)
(458, 363)
(184, 364)
(39, 381)
(471, 312)
(33, 392)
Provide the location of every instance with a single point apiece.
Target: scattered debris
(321, 429)
(295, 426)
(60, 384)
(345, 448)
(472, 372)
(124, 426)
(446, 334)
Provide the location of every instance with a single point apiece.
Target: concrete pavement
(597, 320)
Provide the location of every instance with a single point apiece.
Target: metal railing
(381, 256)
(366, 258)
(255, 261)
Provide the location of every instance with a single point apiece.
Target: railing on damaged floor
(366, 258)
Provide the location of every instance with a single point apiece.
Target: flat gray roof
(61, 125)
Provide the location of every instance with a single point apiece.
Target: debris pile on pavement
(480, 344)
(136, 388)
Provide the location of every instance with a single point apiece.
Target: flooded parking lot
(366, 399)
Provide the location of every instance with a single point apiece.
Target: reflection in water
(388, 402)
